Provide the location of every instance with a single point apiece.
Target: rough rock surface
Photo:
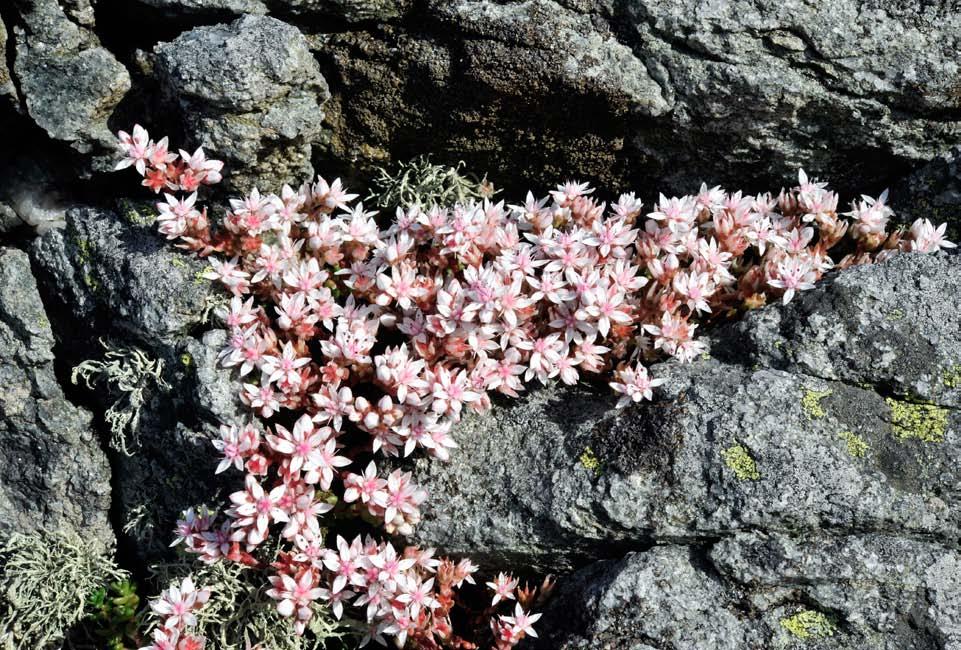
(116, 276)
(112, 278)
(808, 471)
(894, 326)
(675, 92)
(933, 192)
(69, 82)
(873, 591)
(351, 11)
(627, 94)
(53, 473)
(250, 91)
(829, 424)
(8, 92)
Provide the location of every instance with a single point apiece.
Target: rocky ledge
(811, 464)
(798, 487)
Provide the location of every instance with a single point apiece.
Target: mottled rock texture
(111, 278)
(672, 92)
(53, 474)
(813, 464)
(69, 83)
(626, 94)
(250, 91)
(799, 488)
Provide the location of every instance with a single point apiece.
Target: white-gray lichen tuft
(419, 182)
(129, 372)
(46, 580)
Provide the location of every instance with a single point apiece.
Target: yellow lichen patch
(809, 624)
(924, 422)
(84, 250)
(856, 445)
(199, 275)
(739, 460)
(590, 461)
(951, 378)
(811, 402)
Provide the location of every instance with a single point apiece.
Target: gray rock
(555, 479)
(933, 192)
(70, 84)
(53, 474)
(189, 7)
(8, 92)
(632, 92)
(216, 391)
(251, 93)
(868, 591)
(352, 11)
(9, 220)
(646, 600)
(895, 326)
(115, 276)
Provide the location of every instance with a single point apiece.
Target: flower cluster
(176, 609)
(380, 337)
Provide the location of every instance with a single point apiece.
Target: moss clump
(857, 447)
(809, 624)
(739, 460)
(46, 581)
(418, 182)
(139, 214)
(590, 461)
(811, 402)
(911, 421)
(895, 315)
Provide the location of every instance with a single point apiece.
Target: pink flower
(792, 275)
(925, 238)
(254, 509)
(295, 596)
(286, 367)
(418, 596)
(451, 392)
(503, 587)
(366, 487)
(177, 604)
(319, 467)
(634, 384)
(521, 622)
(234, 448)
(136, 149)
(302, 445)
